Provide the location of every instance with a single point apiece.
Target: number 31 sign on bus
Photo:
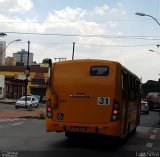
(103, 100)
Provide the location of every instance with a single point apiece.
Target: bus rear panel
(85, 96)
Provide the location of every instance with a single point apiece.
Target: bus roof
(98, 61)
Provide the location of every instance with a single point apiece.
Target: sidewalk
(8, 101)
(23, 113)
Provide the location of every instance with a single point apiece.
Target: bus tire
(73, 136)
(70, 135)
(128, 130)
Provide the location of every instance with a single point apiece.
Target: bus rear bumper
(105, 129)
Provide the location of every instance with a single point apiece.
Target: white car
(32, 102)
(37, 96)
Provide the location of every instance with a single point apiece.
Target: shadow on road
(98, 143)
(93, 146)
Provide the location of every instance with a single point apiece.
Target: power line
(71, 21)
(93, 35)
(116, 45)
(97, 45)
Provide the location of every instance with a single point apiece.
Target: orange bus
(92, 97)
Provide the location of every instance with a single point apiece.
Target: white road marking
(13, 120)
(4, 120)
(152, 137)
(10, 120)
(17, 123)
(149, 145)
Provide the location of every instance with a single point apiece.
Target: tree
(150, 86)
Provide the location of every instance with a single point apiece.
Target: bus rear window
(99, 71)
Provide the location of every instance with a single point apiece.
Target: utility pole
(28, 55)
(73, 50)
(27, 73)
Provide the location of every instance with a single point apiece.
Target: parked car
(37, 96)
(32, 102)
(144, 107)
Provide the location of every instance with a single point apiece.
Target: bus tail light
(115, 111)
(49, 112)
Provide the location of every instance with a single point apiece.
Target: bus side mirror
(50, 62)
(49, 70)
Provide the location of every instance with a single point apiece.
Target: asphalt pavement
(8, 111)
(24, 135)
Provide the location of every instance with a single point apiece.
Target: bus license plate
(79, 129)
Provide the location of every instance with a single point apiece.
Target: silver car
(144, 107)
(32, 102)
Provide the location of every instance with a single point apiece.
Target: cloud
(20, 6)
(105, 9)
(62, 21)
(67, 14)
(102, 10)
(119, 9)
(74, 21)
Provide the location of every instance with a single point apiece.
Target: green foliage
(150, 86)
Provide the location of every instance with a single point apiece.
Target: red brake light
(49, 109)
(115, 111)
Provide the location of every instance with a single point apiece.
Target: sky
(100, 29)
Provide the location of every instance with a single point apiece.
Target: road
(27, 137)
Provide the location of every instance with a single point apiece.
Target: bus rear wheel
(70, 135)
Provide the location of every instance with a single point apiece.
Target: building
(22, 57)
(14, 84)
(10, 61)
(2, 52)
(45, 62)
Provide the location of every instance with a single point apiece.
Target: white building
(22, 57)
(2, 52)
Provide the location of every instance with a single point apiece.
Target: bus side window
(130, 91)
(132, 88)
(124, 81)
(137, 89)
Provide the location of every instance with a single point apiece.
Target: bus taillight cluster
(115, 111)
(49, 109)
